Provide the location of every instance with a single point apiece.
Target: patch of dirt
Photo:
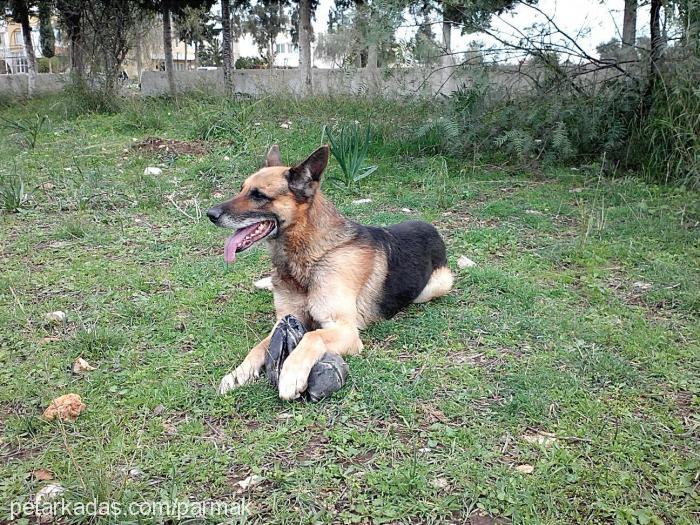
(171, 147)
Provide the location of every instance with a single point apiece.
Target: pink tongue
(234, 241)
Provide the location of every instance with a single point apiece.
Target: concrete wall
(390, 83)
(16, 85)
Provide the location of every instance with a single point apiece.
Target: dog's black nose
(214, 213)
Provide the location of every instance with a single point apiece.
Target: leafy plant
(28, 131)
(12, 194)
(349, 145)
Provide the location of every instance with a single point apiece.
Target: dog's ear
(304, 178)
(273, 157)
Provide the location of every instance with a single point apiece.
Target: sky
(596, 21)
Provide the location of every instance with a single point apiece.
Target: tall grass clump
(665, 146)
(12, 194)
(349, 145)
(27, 131)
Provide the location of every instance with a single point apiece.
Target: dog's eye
(257, 195)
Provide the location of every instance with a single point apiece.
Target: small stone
(362, 201)
(135, 472)
(152, 170)
(465, 262)
(525, 469)
(406, 210)
(158, 410)
(544, 439)
(250, 482)
(81, 366)
(440, 483)
(49, 492)
(56, 318)
(264, 284)
(642, 286)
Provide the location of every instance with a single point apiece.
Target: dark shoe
(327, 376)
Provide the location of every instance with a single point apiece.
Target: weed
(12, 192)
(349, 145)
(27, 131)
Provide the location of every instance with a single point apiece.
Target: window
(16, 38)
(21, 66)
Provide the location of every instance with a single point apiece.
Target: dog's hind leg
(440, 282)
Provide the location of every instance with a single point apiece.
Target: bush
(250, 63)
(58, 64)
(566, 125)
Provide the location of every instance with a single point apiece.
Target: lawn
(558, 383)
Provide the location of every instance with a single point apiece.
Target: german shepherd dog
(334, 275)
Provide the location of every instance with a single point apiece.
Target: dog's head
(270, 201)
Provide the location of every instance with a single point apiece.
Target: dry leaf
(45, 340)
(66, 408)
(81, 366)
(525, 469)
(250, 481)
(465, 262)
(42, 474)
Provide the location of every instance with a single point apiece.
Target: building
(13, 55)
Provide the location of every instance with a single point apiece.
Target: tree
(629, 23)
(305, 30)
(46, 37)
(19, 11)
(108, 27)
(70, 16)
(168, 8)
(191, 27)
(264, 21)
(226, 44)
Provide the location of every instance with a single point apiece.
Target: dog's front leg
(249, 369)
(341, 339)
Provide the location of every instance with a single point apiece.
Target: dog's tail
(440, 283)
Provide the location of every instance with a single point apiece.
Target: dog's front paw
(293, 382)
(239, 377)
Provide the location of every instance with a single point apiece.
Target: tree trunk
(654, 57)
(372, 56)
(629, 24)
(168, 48)
(186, 67)
(226, 54)
(77, 65)
(196, 55)
(447, 42)
(139, 57)
(305, 32)
(270, 54)
(23, 14)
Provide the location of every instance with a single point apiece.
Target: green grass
(579, 320)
